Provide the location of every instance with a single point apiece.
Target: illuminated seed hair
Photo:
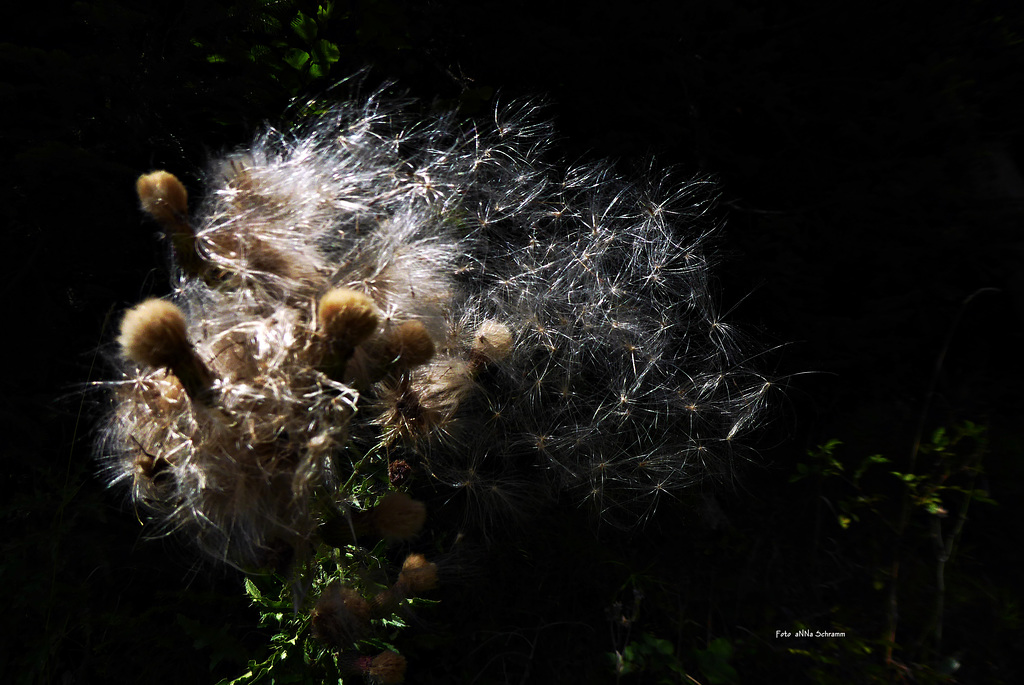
(435, 291)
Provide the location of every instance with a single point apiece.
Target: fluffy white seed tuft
(446, 295)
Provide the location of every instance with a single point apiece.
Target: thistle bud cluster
(436, 291)
(342, 618)
(342, 615)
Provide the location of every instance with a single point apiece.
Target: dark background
(868, 157)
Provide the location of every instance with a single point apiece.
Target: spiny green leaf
(253, 591)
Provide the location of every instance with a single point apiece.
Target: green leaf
(253, 591)
(631, 657)
(662, 646)
(324, 12)
(982, 496)
(325, 52)
(714, 662)
(866, 464)
(721, 648)
(305, 27)
(296, 58)
(828, 448)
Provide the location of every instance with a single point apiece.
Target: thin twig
(893, 595)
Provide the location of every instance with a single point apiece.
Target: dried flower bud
(385, 603)
(418, 575)
(386, 668)
(399, 472)
(347, 318)
(341, 616)
(153, 334)
(409, 345)
(398, 516)
(164, 198)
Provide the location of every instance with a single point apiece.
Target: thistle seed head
(387, 668)
(385, 603)
(153, 334)
(347, 317)
(398, 516)
(164, 198)
(525, 328)
(341, 616)
(409, 345)
(418, 575)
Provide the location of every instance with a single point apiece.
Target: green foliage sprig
(921, 506)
